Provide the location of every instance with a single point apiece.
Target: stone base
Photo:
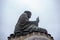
(32, 36)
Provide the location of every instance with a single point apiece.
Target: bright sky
(47, 10)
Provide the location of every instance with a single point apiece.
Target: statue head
(28, 13)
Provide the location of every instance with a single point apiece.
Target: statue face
(29, 15)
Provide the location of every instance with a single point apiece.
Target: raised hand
(37, 19)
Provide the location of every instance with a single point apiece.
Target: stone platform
(32, 36)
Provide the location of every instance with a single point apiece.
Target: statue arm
(37, 20)
(34, 22)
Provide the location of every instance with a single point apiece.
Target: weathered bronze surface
(24, 25)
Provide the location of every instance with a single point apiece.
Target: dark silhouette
(23, 25)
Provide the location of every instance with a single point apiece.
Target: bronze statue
(24, 24)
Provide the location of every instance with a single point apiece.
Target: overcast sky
(47, 10)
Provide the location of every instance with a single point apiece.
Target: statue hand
(37, 19)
